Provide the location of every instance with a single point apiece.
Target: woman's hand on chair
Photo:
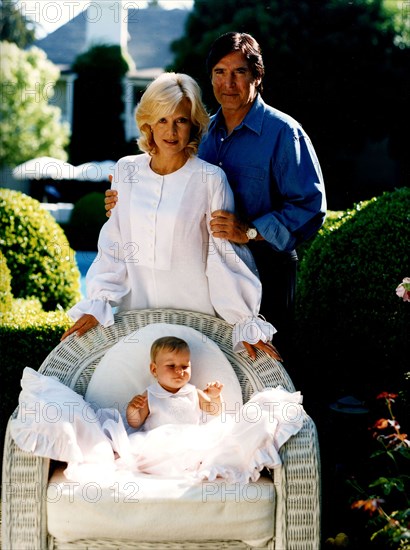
(80, 327)
(267, 347)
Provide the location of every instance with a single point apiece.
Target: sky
(51, 14)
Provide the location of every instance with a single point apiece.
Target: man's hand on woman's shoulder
(110, 200)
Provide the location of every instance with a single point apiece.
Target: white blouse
(157, 251)
(181, 407)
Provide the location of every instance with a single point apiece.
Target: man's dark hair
(237, 42)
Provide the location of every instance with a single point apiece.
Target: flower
(403, 290)
(385, 499)
(370, 505)
(390, 397)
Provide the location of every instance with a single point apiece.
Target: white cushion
(124, 370)
(149, 508)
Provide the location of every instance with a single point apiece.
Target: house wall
(63, 97)
(107, 23)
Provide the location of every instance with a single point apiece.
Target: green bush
(6, 297)
(38, 254)
(87, 218)
(352, 328)
(332, 218)
(27, 335)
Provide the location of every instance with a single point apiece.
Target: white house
(144, 35)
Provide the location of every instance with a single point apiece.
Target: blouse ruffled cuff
(251, 330)
(100, 309)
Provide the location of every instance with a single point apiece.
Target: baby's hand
(137, 410)
(213, 389)
(138, 401)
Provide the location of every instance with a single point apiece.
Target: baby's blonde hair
(160, 99)
(169, 343)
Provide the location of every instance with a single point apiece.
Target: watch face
(251, 233)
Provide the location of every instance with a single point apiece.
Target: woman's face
(172, 133)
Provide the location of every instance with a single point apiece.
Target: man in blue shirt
(273, 170)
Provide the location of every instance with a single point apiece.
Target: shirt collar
(159, 391)
(253, 119)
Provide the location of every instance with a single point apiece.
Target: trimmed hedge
(27, 335)
(87, 218)
(352, 329)
(6, 296)
(332, 218)
(38, 254)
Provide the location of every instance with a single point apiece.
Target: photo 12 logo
(54, 12)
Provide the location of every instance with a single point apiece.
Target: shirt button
(220, 164)
(222, 139)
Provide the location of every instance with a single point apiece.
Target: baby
(177, 430)
(172, 399)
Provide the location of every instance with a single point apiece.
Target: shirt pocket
(245, 171)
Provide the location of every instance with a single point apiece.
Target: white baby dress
(236, 445)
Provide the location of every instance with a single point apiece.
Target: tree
(333, 65)
(98, 131)
(29, 126)
(14, 26)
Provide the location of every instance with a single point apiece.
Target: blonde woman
(157, 249)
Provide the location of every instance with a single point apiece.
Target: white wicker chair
(297, 482)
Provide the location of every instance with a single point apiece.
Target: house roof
(151, 31)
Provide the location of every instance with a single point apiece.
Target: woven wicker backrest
(74, 360)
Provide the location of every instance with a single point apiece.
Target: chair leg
(24, 483)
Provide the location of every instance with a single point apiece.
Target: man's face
(233, 83)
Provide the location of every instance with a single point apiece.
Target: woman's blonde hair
(161, 98)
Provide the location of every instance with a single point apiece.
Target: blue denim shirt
(274, 173)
